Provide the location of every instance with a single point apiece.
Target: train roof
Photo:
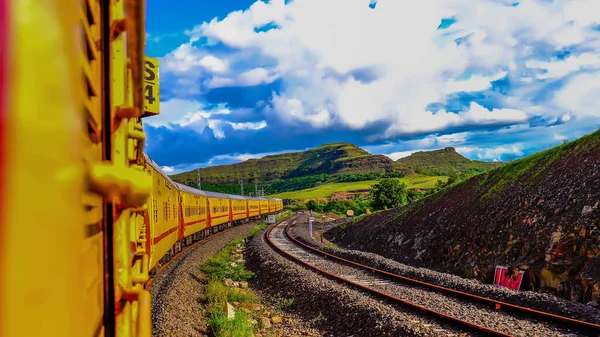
(236, 197)
(189, 189)
(157, 168)
(217, 195)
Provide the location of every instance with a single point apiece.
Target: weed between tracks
(229, 265)
(234, 310)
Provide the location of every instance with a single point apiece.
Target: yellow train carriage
(264, 205)
(163, 214)
(253, 207)
(71, 144)
(238, 207)
(272, 205)
(194, 211)
(218, 205)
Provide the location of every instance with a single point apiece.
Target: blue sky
(496, 79)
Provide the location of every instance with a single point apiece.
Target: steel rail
(458, 321)
(583, 325)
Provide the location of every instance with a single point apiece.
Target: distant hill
(329, 159)
(444, 162)
(328, 163)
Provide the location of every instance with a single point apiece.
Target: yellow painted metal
(254, 207)
(124, 180)
(163, 233)
(92, 152)
(264, 206)
(194, 212)
(151, 87)
(219, 208)
(238, 209)
(43, 282)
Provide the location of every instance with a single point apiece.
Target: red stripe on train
(164, 235)
(195, 222)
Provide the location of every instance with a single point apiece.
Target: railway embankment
(539, 215)
(538, 301)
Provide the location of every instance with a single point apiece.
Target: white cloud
(581, 95)
(249, 125)
(168, 169)
(491, 154)
(555, 69)
(187, 60)
(416, 64)
(476, 115)
(474, 83)
(401, 154)
(173, 111)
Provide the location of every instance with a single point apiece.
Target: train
(180, 215)
(86, 216)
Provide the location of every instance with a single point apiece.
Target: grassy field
(325, 190)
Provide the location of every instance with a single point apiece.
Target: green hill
(330, 159)
(444, 162)
(329, 163)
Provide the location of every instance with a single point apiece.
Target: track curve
(378, 282)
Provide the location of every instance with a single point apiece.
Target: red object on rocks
(501, 278)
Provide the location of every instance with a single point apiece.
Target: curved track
(428, 298)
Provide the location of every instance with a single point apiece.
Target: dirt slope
(540, 214)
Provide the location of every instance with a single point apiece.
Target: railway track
(473, 314)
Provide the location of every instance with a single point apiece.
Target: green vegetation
(534, 165)
(358, 205)
(330, 168)
(388, 193)
(218, 292)
(445, 162)
(226, 265)
(308, 168)
(325, 190)
(220, 266)
(257, 228)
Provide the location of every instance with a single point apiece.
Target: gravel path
(178, 292)
(544, 302)
(335, 308)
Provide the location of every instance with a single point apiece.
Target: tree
(312, 205)
(388, 193)
(412, 195)
(451, 179)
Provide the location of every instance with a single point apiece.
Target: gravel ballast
(344, 311)
(534, 300)
(178, 291)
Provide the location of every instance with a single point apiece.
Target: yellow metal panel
(238, 209)
(219, 208)
(163, 224)
(43, 170)
(254, 206)
(151, 87)
(193, 212)
(264, 206)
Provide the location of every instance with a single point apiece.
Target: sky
(496, 79)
